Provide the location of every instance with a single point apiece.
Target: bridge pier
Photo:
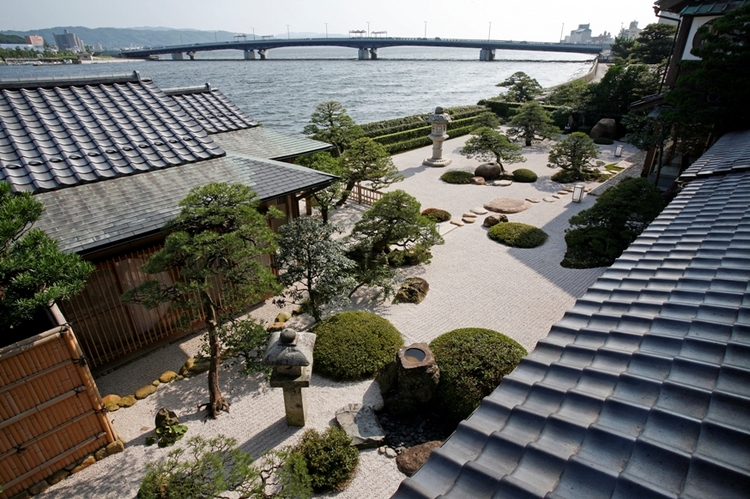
(249, 55)
(363, 55)
(191, 55)
(262, 53)
(177, 56)
(373, 53)
(487, 55)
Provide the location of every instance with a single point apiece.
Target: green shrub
(331, 459)
(568, 176)
(524, 175)
(457, 177)
(472, 363)
(517, 235)
(603, 141)
(370, 341)
(598, 235)
(436, 215)
(584, 129)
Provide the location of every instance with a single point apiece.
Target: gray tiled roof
(211, 109)
(643, 388)
(732, 156)
(64, 132)
(102, 214)
(261, 142)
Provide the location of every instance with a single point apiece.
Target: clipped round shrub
(369, 340)
(603, 141)
(330, 457)
(456, 177)
(584, 129)
(565, 176)
(517, 235)
(436, 215)
(524, 175)
(472, 363)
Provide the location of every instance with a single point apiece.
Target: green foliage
(366, 160)
(622, 49)
(325, 198)
(167, 434)
(598, 235)
(521, 87)
(245, 339)
(354, 345)
(313, 266)
(517, 235)
(404, 135)
(486, 144)
(569, 94)
(654, 44)
(486, 119)
(620, 86)
(524, 175)
(409, 145)
(331, 459)
(573, 153)
(456, 177)
(33, 271)
(211, 468)
(330, 123)
(436, 215)
(532, 123)
(294, 477)
(604, 141)
(472, 363)
(217, 237)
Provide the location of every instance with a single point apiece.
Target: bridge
(367, 46)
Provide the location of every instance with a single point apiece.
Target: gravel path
(474, 282)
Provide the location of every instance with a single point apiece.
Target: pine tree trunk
(216, 402)
(345, 196)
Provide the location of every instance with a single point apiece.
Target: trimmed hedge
(370, 342)
(331, 458)
(517, 235)
(472, 363)
(436, 215)
(524, 175)
(456, 177)
(568, 176)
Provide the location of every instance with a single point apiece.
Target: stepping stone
(469, 220)
(479, 210)
(477, 180)
(557, 196)
(362, 425)
(459, 223)
(533, 200)
(550, 199)
(564, 192)
(469, 214)
(504, 183)
(507, 205)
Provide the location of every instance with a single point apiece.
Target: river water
(282, 91)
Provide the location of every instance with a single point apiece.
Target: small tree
(330, 123)
(313, 265)
(654, 44)
(532, 123)
(485, 144)
(367, 160)
(574, 153)
(487, 119)
(521, 87)
(33, 271)
(217, 240)
(325, 198)
(622, 49)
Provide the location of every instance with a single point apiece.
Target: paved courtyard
(474, 282)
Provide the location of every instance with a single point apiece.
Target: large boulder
(413, 290)
(411, 459)
(605, 128)
(362, 425)
(489, 171)
(165, 417)
(507, 205)
(493, 220)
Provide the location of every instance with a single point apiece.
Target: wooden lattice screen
(364, 195)
(50, 410)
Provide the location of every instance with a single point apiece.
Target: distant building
(69, 41)
(35, 40)
(631, 33)
(603, 39)
(580, 36)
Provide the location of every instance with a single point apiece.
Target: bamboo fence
(364, 195)
(51, 413)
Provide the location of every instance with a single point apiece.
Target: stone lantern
(291, 354)
(439, 121)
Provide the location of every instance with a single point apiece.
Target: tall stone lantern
(439, 121)
(291, 354)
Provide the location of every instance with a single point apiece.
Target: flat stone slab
(477, 180)
(469, 215)
(550, 199)
(557, 196)
(362, 425)
(469, 220)
(507, 205)
(534, 200)
(563, 192)
(479, 210)
(458, 223)
(504, 183)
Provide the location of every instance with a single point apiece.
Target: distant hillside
(12, 39)
(116, 38)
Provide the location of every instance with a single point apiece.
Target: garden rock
(283, 316)
(195, 365)
(101, 454)
(390, 453)
(38, 488)
(115, 447)
(165, 417)
(87, 461)
(126, 401)
(112, 407)
(412, 290)
(361, 424)
(112, 398)
(507, 205)
(504, 183)
(469, 220)
(488, 171)
(144, 392)
(550, 199)
(493, 220)
(410, 460)
(416, 380)
(168, 376)
(479, 211)
(477, 180)
(58, 477)
(469, 214)
(605, 128)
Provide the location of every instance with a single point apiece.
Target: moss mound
(456, 177)
(370, 341)
(436, 215)
(330, 457)
(517, 235)
(472, 363)
(524, 175)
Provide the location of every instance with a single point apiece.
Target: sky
(535, 20)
